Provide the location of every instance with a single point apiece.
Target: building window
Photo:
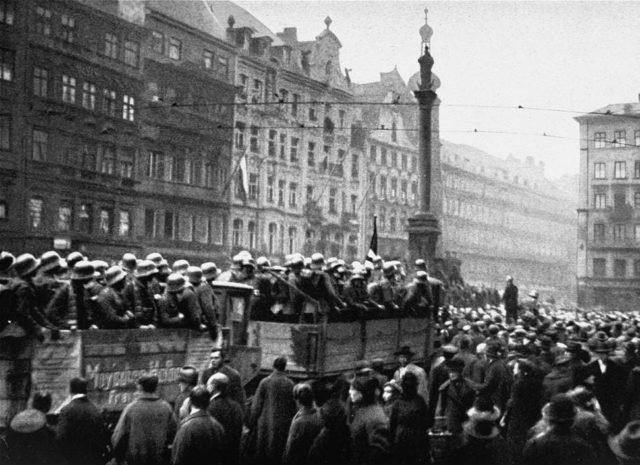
(394, 160)
(403, 191)
(185, 227)
(253, 139)
(127, 160)
(636, 138)
(40, 145)
(341, 118)
(383, 219)
(150, 219)
(5, 132)
(599, 267)
(111, 45)
(311, 154)
(89, 96)
(293, 194)
(124, 223)
(169, 225)
(293, 150)
(600, 201)
(68, 89)
(256, 91)
(209, 180)
(283, 146)
(271, 246)
(403, 158)
(414, 164)
(156, 165)
(175, 48)
(108, 162)
(394, 188)
(354, 204)
(131, 53)
(239, 135)
(598, 232)
(244, 83)
(281, 188)
(251, 229)
(619, 138)
(383, 186)
(373, 153)
(157, 42)
(636, 199)
(383, 156)
(63, 223)
(270, 187)
(253, 186)
(313, 112)
(128, 108)
(599, 170)
(354, 167)
(236, 233)
(6, 65)
(273, 136)
(619, 170)
(222, 67)
(68, 24)
(619, 200)
(619, 232)
(333, 207)
(414, 192)
(372, 183)
(85, 218)
(293, 236)
(6, 12)
(207, 58)
(309, 194)
(105, 221)
(35, 212)
(636, 169)
(109, 102)
(600, 140)
(294, 105)
(43, 21)
(636, 232)
(636, 268)
(619, 268)
(201, 229)
(40, 82)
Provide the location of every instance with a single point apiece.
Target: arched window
(383, 219)
(273, 231)
(251, 228)
(394, 132)
(293, 236)
(236, 234)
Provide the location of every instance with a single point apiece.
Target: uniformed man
(99, 267)
(317, 285)
(359, 304)
(113, 309)
(128, 264)
(418, 300)
(206, 299)
(180, 266)
(71, 307)
(144, 292)
(179, 307)
(46, 281)
(385, 292)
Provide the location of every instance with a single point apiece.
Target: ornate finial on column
(328, 21)
(426, 31)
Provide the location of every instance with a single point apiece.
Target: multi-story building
(608, 265)
(503, 217)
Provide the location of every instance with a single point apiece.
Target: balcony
(313, 212)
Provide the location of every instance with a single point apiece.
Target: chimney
(289, 35)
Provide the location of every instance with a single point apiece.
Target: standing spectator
(200, 440)
(306, 425)
(559, 444)
(29, 441)
(81, 434)
(217, 364)
(405, 355)
(370, 426)
(408, 425)
(510, 299)
(391, 392)
(271, 414)
(333, 444)
(146, 427)
(626, 445)
(187, 380)
(455, 397)
(632, 396)
(439, 375)
(559, 380)
(498, 379)
(482, 445)
(228, 412)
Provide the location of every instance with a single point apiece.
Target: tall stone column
(423, 227)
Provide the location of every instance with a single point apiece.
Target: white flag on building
(244, 175)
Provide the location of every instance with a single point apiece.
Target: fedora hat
(561, 409)
(114, 275)
(25, 264)
(404, 350)
(82, 271)
(626, 444)
(50, 261)
(145, 268)
(176, 282)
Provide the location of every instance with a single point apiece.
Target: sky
(555, 59)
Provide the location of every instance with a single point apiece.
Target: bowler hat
(114, 275)
(82, 271)
(49, 261)
(145, 268)
(561, 409)
(405, 350)
(455, 365)
(209, 270)
(176, 282)
(626, 444)
(26, 264)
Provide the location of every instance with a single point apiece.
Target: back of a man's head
(303, 394)
(280, 363)
(199, 397)
(148, 383)
(78, 385)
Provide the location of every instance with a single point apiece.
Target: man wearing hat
(355, 295)
(456, 396)
(386, 291)
(179, 307)
(510, 299)
(228, 412)
(187, 380)
(263, 295)
(559, 380)
(129, 263)
(113, 310)
(418, 300)
(143, 292)
(405, 356)
(206, 299)
(71, 306)
(317, 284)
(498, 379)
(46, 281)
(437, 377)
(626, 445)
(6, 262)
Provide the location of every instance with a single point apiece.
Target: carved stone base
(423, 237)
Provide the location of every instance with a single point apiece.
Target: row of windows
(84, 217)
(619, 232)
(87, 95)
(182, 226)
(619, 268)
(619, 170)
(394, 222)
(391, 159)
(600, 200)
(185, 168)
(275, 240)
(378, 185)
(619, 139)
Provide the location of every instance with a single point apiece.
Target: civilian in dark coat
(370, 426)
(510, 299)
(217, 364)
(333, 444)
(200, 439)
(482, 444)
(456, 396)
(559, 380)
(145, 429)
(438, 376)
(271, 414)
(306, 425)
(559, 444)
(29, 441)
(228, 412)
(82, 436)
(408, 425)
(631, 406)
(498, 379)
(187, 380)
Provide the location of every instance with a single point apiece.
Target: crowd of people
(510, 382)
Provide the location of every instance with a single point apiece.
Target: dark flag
(373, 245)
